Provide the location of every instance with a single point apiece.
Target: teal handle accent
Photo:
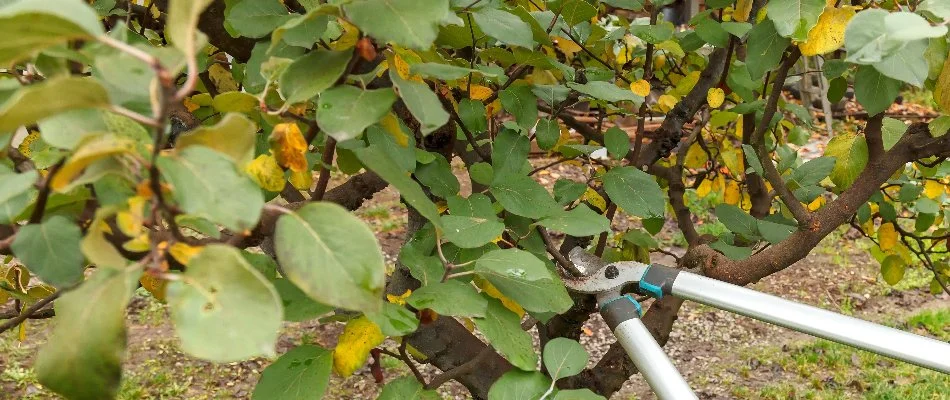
(649, 288)
(628, 298)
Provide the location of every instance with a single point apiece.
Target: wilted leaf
(224, 310)
(289, 146)
(359, 337)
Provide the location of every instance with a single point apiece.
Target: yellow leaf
(154, 285)
(659, 62)
(183, 253)
(695, 157)
(222, 79)
(480, 92)
(933, 189)
(732, 158)
(887, 236)
(704, 188)
(640, 88)
(25, 146)
(301, 180)
(492, 291)
(391, 125)
(828, 34)
(816, 203)
(595, 199)
(567, 46)
(266, 173)
(732, 194)
(359, 337)
(190, 105)
(685, 84)
(351, 35)
(138, 244)
(90, 151)
(743, 9)
(666, 102)
(942, 87)
(715, 97)
(289, 146)
(399, 299)
(402, 68)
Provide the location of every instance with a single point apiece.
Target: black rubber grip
(619, 310)
(658, 281)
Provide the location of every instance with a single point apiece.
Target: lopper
(612, 283)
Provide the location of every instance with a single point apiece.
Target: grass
(825, 370)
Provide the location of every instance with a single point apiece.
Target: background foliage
(187, 147)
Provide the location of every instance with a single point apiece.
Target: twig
(326, 161)
(412, 366)
(468, 134)
(596, 57)
(552, 249)
(43, 197)
(125, 112)
(16, 321)
(41, 314)
(602, 240)
(460, 370)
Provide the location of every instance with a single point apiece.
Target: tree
(187, 147)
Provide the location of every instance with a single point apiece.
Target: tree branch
(27, 313)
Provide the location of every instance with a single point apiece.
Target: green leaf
(794, 18)
(51, 250)
(311, 74)
(302, 372)
(765, 50)
(471, 232)
(661, 32)
(892, 269)
(509, 154)
(754, 162)
(240, 102)
(409, 23)
(634, 191)
(516, 384)
(234, 136)
(737, 221)
(551, 94)
(837, 89)
(522, 196)
(578, 394)
(606, 91)
(375, 158)
(16, 192)
(44, 99)
(298, 306)
(891, 131)
(939, 8)
(731, 251)
(640, 238)
(481, 173)
(521, 103)
(617, 142)
(305, 30)
(444, 72)
(873, 90)
(525, 279)
(504, 26)
(438, 176)
(344, 112)
(82, 358)
(564, 357)
(452, 297)
(577, 11)
(223, 309)
(548, 132)
(812, 172)
(472, 113)
(207, 184)
(851, 155)
(580, 221)
(711, 32)
(940, 126)
(633, 5)
(502, 328)
(31, 26)
(395, 320)
(407, 388)
(256, 18)
(181, 28)
(422, 103)
(737, 29)
(332, 256)
(774, 232)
